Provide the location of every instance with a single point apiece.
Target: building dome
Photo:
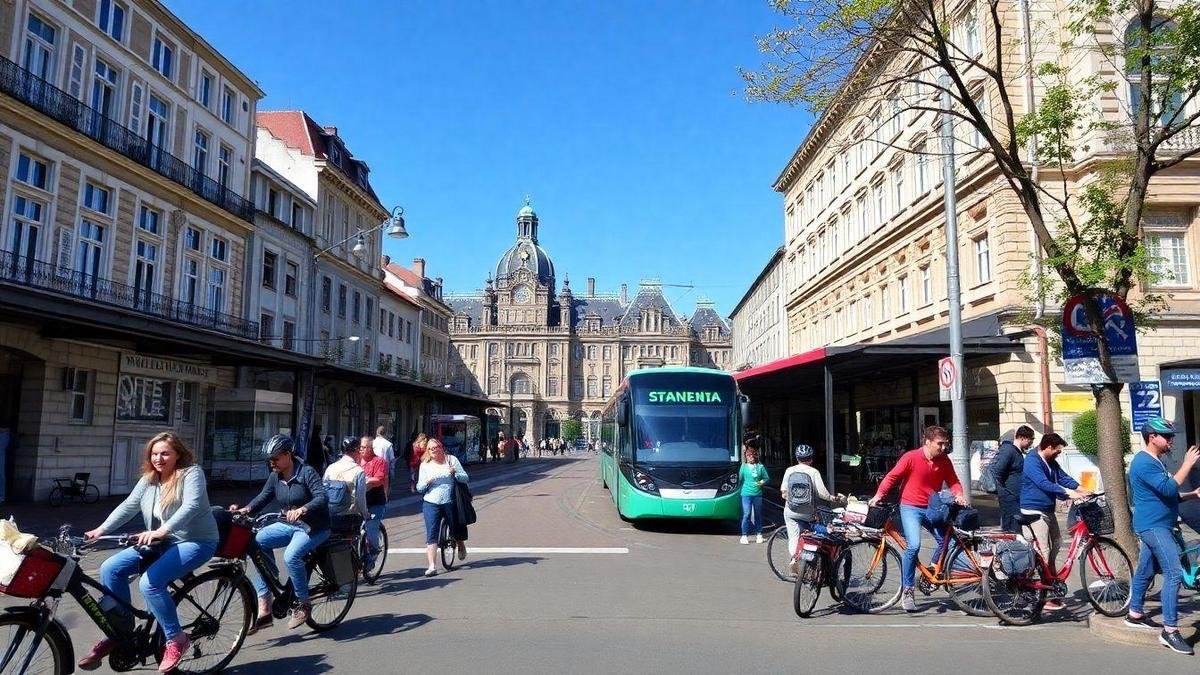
(525, 254)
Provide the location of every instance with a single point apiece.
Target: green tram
(670, 444)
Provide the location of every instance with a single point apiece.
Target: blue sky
(622, 119)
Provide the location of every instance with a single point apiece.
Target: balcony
(42, 276)
(44, 97)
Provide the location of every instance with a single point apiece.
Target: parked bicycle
(215, 609)
(363, 546)
(1019, 579)
(814, 559)
(78, 487)
(869, 569)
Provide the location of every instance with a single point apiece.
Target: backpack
(987, 479)
(338, 495)
(799, 493)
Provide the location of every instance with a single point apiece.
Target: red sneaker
(99, 650)
(173, 652)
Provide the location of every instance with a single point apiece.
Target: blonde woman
(436, 480)
(173, 498)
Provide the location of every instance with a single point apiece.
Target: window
(297, 217)
(1169, 258)
(326, 294)
(33, 172)
(200, 154)
(163, 57)
(356, 308)
(291, 271)
(983, 260)
(342, 301)
(220, 249)
(289, 334)
(1162, 114)
(408, 332)
(926, 285)
(895, 114)
(898, 184)
(112, 19)
(216, 289)
(224, 160)
(39, 47)
(266, 327)
(228, 100)
(867, 314)
(27, 226)
(971, 44)
(591, 388)
(607, 352)
(189, 281)
(158, 122)
(192, 238)
(79, 384)
(591, 351)
(95, 197)
(880, 205)
(370, 312)
(885, 309)
(576, 387)
(273, 202)
(903, 290)
(922, 169)
(104, 89)
(89, 250)
(204, 89)
(270, 265)
(552, 386)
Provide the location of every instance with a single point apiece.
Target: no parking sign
(1081, 351)
(949, 379)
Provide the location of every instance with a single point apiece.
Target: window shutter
(75, 85)
(66, 238)
(135, 110)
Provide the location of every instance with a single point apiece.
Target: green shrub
(570, 430)
(1087, 441)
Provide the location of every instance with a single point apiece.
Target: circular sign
(1113, 310)
(947, 373)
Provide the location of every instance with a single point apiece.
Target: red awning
(812, 356)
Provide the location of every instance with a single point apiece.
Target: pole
(960, 454)
(830, 454)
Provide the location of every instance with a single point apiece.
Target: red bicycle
(1018, 578)
(813, 562)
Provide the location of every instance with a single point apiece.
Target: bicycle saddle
(1026, 518)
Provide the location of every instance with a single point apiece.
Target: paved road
(681, 599)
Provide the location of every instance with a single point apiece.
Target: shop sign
(1081, 351)
(154, 366)
(1181, 380)
(1074, 402)
(1146, 400)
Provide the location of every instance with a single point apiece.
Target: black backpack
(800, 495)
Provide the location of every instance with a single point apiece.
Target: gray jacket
(188, 519)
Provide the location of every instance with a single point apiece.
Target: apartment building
(759, 320)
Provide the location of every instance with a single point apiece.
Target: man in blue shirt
(1155, 496)
(1043, 483)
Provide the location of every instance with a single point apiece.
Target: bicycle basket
(234, 536)
(35, 573)
(1098, 516)
(878, 516)
(856, 512)
(337, 563)
(1015, 557)
(967, 519)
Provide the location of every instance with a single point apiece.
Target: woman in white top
(436, 479)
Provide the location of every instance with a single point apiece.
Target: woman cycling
(297, 488)
(180, 536)
(436, 479)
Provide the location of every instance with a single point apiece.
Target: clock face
(522, 295)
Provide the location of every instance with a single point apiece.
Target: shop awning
(390, 384)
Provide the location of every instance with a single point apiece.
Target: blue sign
(1146, 400)
(1081, 349)
(1186, 380)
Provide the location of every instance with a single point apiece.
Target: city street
(556, 582)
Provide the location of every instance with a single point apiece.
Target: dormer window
(335, 154)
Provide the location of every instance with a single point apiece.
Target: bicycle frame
(1081, 536)
(895, 538)
(1190, 573)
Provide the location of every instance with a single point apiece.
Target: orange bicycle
(869, 569)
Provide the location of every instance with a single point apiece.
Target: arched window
(1141, 50)
(519, 384)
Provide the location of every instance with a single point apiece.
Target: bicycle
(1017, 595)
(779, 558)
(816, 552)
(371, 574)
(79, 487)
(215, 611)
(331, 587)
(867, 565)
(447, 545)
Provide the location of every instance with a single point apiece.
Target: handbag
(462, 504)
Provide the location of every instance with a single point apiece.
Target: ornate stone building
(552, 354)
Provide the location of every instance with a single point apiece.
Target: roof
(693, 370)
(607, 307)
(525, 253)
(469, 305)
(650, 296)
(299, 131)
(706, 315)
(423, 284)
(399, 294)
(758, 280)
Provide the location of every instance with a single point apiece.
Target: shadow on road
(357, 628)
(721, 528)
(282, 666)
(502, 562)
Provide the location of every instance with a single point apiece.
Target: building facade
(551, 354)
(759, 321)
(865, 253)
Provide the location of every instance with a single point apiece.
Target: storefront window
(144, 399)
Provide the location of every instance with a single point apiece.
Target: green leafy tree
(570, 430)
(836, 57)
(1085, 438)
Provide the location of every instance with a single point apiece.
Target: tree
(841, 57)
(570, 430)
(1083, 434)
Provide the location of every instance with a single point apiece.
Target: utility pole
(960, 454)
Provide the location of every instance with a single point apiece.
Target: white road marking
(989, 626)
(525, 549)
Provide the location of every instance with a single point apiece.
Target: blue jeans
(372, 525)
(175, 562)
(751, 514)
(1158, 544)
(434, 515)
(912, 519)
(299, 544)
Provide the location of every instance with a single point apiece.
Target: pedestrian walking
(1043, 482)
(377, 477)
(414, 461)
(1156, 496)
(499, 447)
(383, 448)
(542, 447)
(1007, 467)
(180, 536)
(439, 471)
(753, 477)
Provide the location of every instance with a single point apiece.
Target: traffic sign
(1146, 400)
(949, 379)
(1081, 350)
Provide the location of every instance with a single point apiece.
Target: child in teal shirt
(753, 476)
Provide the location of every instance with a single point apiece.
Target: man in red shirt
(921, 472)
(375, 470)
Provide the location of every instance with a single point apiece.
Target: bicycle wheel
(447, 546)
(371, 574)
(778, 555)
(56, 496)
(964, 581)
(330, 601)
(1014, 599)
(1106, 576)
(809, 580)
(91, 494)
(215, 611)
(868, 576)
(17, 634)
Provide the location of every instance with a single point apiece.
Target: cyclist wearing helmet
(802, 486)
(298, 490)
(1154, 493)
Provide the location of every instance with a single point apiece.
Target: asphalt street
(556, 582)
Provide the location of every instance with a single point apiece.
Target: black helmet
(349, 444)
(277, 445)
(804, 451)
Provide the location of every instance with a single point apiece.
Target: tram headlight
(729, 484)
(644, 481)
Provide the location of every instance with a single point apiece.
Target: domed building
(552, 353)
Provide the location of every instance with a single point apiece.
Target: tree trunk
(1110, 456)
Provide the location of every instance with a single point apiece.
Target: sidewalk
(44, 520)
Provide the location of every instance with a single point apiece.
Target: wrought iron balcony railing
(30, 273)
(44, 97)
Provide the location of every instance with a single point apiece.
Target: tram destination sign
(685, 396)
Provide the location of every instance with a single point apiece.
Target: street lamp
(392, 226)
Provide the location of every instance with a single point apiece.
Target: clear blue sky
(623, 119)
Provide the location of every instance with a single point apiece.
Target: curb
(1115, 630)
